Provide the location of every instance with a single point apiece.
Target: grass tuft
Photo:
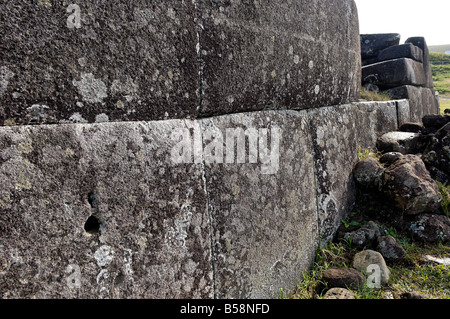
(412, 273)
(374, 96)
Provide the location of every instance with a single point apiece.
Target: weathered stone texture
(422, 44)
(422, 101)
(408, 183)
(401, 142)
(337, 133)
(264, 225)
(153, 60)
(403, 112)
(150, 230)
(407, 50)
(394, 73)
(283, 54)
(152, 238)
(168, 230)
(373, 44)
(437, 154)
(129, 60)
(366, 258)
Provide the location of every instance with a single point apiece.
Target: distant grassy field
(445, 104)
(440, 64)
(441, 77)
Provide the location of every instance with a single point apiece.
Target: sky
(425, 18)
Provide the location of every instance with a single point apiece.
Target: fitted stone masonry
(174, 230)
(100, 194)
(154, 60)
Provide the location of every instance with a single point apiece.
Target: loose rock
(367, 173)
(435, 121)
(412, 127)
(366, 258)
(389, 158)
(343, 278)
(401, 142)
(429, 228)
(440, 261)
(408, 183)
(437, 153)
(389, 248)
(339, 293)
(366, 236)
(412, 295)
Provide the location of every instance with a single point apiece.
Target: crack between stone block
(200, 61)
(200, 94)
(397, 106)
(210, 216)
(316, 187)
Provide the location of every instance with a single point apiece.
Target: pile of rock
(404, 180)
(412, 160)
(365, 263)
(402, 70)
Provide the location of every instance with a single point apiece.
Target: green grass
(410, 274)
(374, 96)
(445, 104)
(441, 78)
(439, 57)
(331, 256)
(431, 280)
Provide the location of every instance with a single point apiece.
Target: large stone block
(336, 151)
(377, 118)
(277, 55)
(422, 44)
(422, 101)
(372, 44)
(94, 61)
(394, 73)
(403, 112)
(407, 50)
(121, 60)
(264, 221)
(100, 211)
(337, 135)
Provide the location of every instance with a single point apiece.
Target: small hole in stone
(119, 279)
(92, 200)
(92, 225)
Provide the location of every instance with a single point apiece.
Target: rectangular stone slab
(264, 222)
(124, 60)
(337, 134)
(422, 43)
(394, 73)
(406, 50)
(422, 101)
(372, 44)
(403, 112)
(278, 55)
(98, 61)
(148, 234)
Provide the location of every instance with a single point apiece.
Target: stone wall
(96, 61)
(179, 149)
(402, 70)
(168, 230)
